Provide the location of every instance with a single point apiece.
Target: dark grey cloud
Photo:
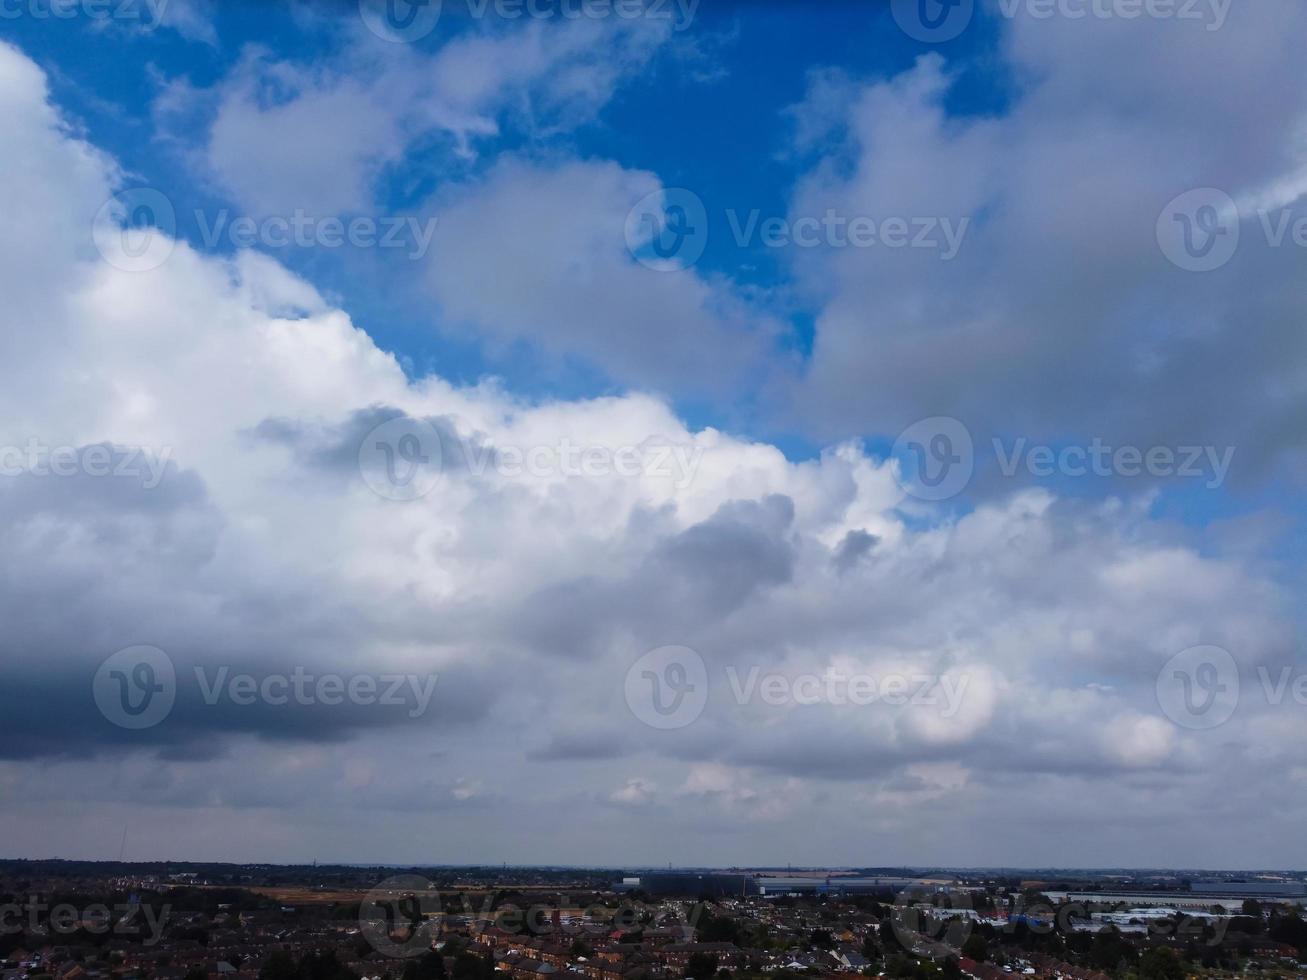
(723, 561)
(855, 546)
(96, 564)
(334, 448)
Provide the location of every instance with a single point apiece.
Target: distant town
(68, 920)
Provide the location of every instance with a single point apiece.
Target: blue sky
(989, 374)
(714, 120)
(712, 111)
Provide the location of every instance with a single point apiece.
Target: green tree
(869, 948)
(431, 966)
(279, 966)
(712, 928)
(428, 966)
(323, 965)
(701, 966)
(889, 940)
(469, 966)
(1160, 964)
(900, 967)
(1290, 928)
(976, 948)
